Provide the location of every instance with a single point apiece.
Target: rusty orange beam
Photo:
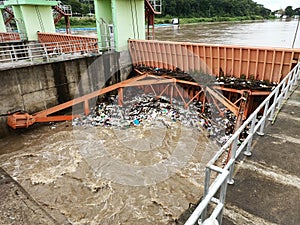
(195, 96)
(233, 108)
(24, 120)
(180, 94)
(86, 97)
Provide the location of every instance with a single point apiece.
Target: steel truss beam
(24, 120)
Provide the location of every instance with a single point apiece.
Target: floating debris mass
(148, 110)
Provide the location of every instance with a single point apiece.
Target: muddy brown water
(269, 33)
(96, 175)
(276, 33)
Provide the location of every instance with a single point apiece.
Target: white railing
(46, 51)
(270, 106)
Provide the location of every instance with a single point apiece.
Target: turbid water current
(64, 169)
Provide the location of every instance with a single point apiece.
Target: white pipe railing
(225, 175)
(46, 51)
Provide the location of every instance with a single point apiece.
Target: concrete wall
(38, 87)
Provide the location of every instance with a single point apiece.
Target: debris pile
(148, 110)
(209, 79)
(244, 84)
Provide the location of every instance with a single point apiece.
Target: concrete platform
(17, 206)
(267, 185)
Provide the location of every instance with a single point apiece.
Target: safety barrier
(55, 37)
(225, 174)
(63, 38)
(46, 51)
(258, 63)
(9, 37)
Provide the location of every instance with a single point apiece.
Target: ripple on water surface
(98, 175)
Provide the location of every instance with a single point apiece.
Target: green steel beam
(127, 18)
(32, 16)
(31, 2)
(2, 23)
(32, 19)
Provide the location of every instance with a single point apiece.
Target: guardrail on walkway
(225, 174)
(53, 45)
(46, 51)
(56, 37)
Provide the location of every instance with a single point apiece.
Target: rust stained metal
(256, 62)
(24, 120)
(239, 121)
(226, 102)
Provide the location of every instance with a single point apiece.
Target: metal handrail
(225, 175)
(48, 50)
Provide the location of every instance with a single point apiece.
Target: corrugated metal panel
(270, 64)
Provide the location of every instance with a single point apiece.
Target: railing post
(14, 54)
(206, 188)
(11, 56)
(46, 52)
(274, 104)
(289, 86)
(262, 126)
(233, 151)
(222, 200)
(248, 148)
(296, 77)
(281, 95)
(30, 53)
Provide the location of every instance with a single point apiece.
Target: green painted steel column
(33, 16)
(103, 14)
(2, 24)
(127, 18)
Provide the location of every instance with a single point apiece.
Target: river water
(92, 175)
(275, 33)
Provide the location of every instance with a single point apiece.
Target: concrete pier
(267, 185)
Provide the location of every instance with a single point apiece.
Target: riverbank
(87, 22)
(210, 19)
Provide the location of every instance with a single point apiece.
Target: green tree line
(196, 8)
(189, 8)
(213, 8)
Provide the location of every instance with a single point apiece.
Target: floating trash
(148, 110)
(223, 80)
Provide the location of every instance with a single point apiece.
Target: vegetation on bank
(86, 22)
(213, 8)
(188, 11)
(196, 8)
(210, 19)
(80, 22)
